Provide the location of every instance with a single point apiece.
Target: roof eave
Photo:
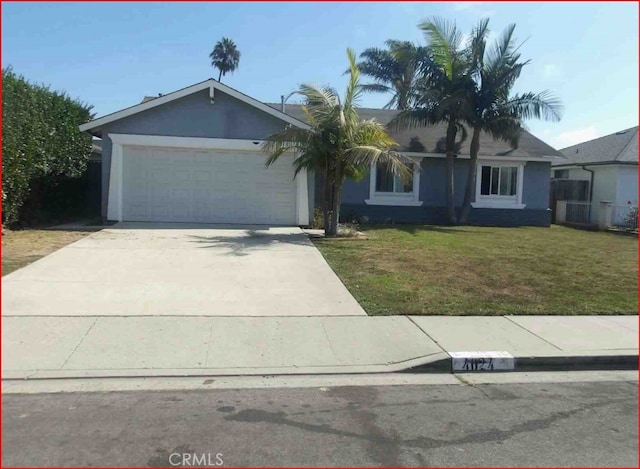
(94, 126)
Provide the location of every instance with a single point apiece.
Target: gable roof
(432, 138)
(620, 147)
(209, 84)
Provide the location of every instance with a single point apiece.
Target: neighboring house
(609, 167)
(194, 155)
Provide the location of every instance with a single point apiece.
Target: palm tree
(225, 56)
(491, 108)
(339, 144)
(395, 70)
(441, 94)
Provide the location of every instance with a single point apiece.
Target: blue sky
(112, 54)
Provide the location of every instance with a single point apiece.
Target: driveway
(144, 269)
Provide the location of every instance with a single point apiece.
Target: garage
(203, 180)
(195, 156)
(206, 186)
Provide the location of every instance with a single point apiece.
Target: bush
(40, 140)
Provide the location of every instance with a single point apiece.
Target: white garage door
(206, 186)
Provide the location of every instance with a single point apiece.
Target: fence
(624, 217)
(609, 216)
(574, 212)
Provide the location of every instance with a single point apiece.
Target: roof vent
(622, 132)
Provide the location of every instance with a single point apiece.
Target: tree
(491, 108)
(395, 70)
(338, 144)
(441, 95)
(467, 84)
(40, 139)
(225, 56)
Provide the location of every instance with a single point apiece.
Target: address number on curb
(469, 362)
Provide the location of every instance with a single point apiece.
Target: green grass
(429, 270)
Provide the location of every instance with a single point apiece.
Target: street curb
(595, 363)
(553, 363)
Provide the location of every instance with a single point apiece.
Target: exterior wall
(604, 188)
(191, 116)
(536, 182)
(627, 187)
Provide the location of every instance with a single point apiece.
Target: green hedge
(40, 139)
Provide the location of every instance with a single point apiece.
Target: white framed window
(388, 188)
(499, 185)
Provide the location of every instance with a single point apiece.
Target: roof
(94, 126)
(431, 139)
(620, 147)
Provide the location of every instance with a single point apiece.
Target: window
(387, 188)
(501, 180)
(386, 181)
(561, 174)
(499, 185)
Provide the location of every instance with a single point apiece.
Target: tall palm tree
(225, 56)
(395, 70)
(491, 108)
(441, 94)
(339, 144)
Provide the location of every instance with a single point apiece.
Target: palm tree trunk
(451, 195)
(335, 210)
(472, 176)
(219, 75)
(336, 187)
(326, 200)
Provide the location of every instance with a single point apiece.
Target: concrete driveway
(144, 269)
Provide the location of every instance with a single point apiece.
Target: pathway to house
(146, 269)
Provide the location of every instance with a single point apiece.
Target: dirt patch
(21, 248)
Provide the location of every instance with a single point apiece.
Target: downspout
(590, 189)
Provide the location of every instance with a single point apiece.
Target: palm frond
(376, 88)
(544, 105)
(443, 38)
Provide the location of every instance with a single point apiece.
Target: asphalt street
(463, 424)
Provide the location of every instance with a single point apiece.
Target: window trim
(395, 198)
(500, 201)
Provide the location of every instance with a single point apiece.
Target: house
(194, 155)
(608, 166)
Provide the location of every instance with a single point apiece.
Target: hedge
(40, 139)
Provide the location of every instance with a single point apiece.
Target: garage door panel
(208, 186)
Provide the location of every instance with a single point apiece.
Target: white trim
(500, 201)
(518, 159)
(114, 200)
(302, 199)
(210, 84)
(187, 142)
(119, 141)
(411, 199)
(497, 204)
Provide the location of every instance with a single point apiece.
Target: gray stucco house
(194, 156)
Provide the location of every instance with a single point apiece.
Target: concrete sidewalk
(81, 347)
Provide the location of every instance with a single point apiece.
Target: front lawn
(484, 271)
(20, 248)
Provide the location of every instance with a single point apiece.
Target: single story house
(195, 155)
(609, 167)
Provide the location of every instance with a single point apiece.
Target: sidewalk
(83, 347)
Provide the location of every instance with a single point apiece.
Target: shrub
(40, 139)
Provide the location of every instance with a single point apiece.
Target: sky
(110, 55)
